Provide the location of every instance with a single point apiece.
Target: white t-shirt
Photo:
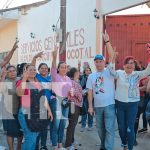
(102, 84)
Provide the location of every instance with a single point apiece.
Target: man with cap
(101, 88)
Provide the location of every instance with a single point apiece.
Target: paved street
(89, 140)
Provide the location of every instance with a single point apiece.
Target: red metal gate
(129, 34)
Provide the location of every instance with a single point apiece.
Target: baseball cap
(100, 57)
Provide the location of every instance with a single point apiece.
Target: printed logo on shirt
(133, 86)
(99, 85)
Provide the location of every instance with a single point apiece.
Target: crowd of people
(37, 101)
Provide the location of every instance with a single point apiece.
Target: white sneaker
(90, 128)
(71, 148)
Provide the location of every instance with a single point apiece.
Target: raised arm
(3, 74)
(108, 46)
(39, 55)
(145, 72)
(9, 56)
(54, 57)
(79, 65)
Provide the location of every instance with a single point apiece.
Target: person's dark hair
(41, 64)
(85, 69)
(27, 66)
(10, 66)
(127, 59)
(137, 68)
(20, 68)
(49, 70)
(72, 72)
(61, 62)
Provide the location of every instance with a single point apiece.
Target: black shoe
(135, 143)
(80, 122)
(44, 148)
(143, 130)
(37, 147)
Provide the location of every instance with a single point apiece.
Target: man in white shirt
(101, 88)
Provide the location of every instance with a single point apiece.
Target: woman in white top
(126, 95)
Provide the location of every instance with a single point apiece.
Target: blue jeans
(29, 137)
(105, 123)
(87, 115)
(43, 135)
(126, 116)
(60, 116)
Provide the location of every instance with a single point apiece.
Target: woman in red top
(29, 91)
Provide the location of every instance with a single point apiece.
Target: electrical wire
(5, 4)
(9, 4)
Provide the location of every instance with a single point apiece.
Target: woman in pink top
(62, 87)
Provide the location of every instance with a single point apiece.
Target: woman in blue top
(45, 79)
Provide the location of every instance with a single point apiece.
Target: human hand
(25, 75)
(54, 53)
(91, 111)
(106, 37)
(50, 115)
(72, 92)
(38, 55)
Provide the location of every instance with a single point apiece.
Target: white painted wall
(81, 43)
(38, 21)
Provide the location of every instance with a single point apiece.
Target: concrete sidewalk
(89, 140)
